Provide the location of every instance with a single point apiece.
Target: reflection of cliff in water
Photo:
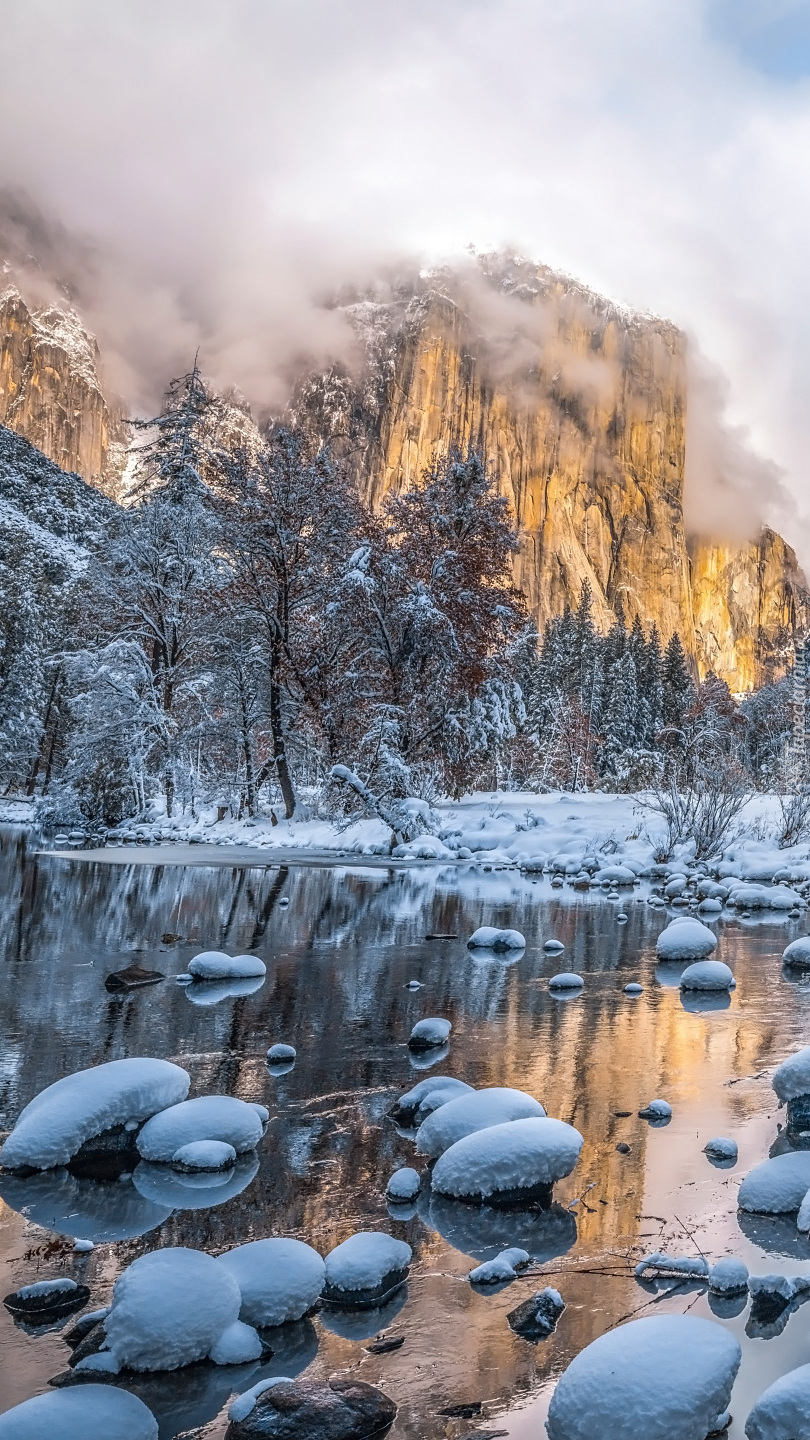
(339, 957)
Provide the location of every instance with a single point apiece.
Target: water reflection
(339, 958)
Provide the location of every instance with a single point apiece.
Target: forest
(248, 633)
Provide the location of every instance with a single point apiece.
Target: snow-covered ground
(498, 827)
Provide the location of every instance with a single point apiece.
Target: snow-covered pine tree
(677, 687)
(619, 717)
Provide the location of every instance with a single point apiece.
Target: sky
(230, 165)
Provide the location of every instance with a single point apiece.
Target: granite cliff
(51, 392)
(580, 407)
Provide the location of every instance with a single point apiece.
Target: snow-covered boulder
(216, 965)
(553, 947)
(707, 975)
(633, 988)
(675, 886)
(797, 953)
(342, 1409)
(615, 875)
(46, 1299)
(777, 1186)
(55, 1125)
(685, 939)
(502, 1268)
(488, 937)
(728, 1276)
(719, 1148)
(469, 1113)
(566, 980)
(792, 1078)
(782, 1411)
(710, 907)
(662, 1377)
(415, 1105)
(169, 1309)
(209, 1117)
(279, 1279)
(89, 1412)
(403, 1186)
(764, 897)
(365, 1269)
(511, 1164)
(430, 1033)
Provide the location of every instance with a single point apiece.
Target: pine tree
(677, 687)
(619, 715)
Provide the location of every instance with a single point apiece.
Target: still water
(340, 945)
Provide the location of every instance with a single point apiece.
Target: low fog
(210, 176)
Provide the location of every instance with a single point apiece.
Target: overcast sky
(240, 157)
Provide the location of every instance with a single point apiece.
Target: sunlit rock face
(50, 391)
(747, 601)
(580, 407)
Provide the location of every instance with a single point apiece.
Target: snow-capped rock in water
(281, 1054)
(488, 937)
(633, 988)
(244, 1403)
(685, 939)
(343, 1409)
(468, 1113)
(553, 947)
(777, 1186)
(47, 1298)
(728, 1276)
(204, 1155)
(503, 1268)
(708, 975)
(791, 1079)
(511, 1164)
(615, 875)
(537, 1318)
(279, 1279)
(365, 1268)
(781, 1412)
(666, 1377)
(566, 980)
(55, 1125)
(763, 897)
(797, 953)
(237, 1345)
(169, 1308)
(656, 1110)
(721, 1149)
(415, 1105)
(90, 1412)
(404, 1185)
(209, 1117)
(216, 965)
(430, 1033)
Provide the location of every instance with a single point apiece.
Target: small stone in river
(621, 918)
(728, 1276)
(553, 947)
(133, 978)
(47, 1299)
(622, 1148)
(83, 1247)
(720, 1149)
(429, 1033)
(656, 1110)
(281, 1054)
(414, 985)
(633, 988)
(536, 1318)
(343, 1409)
(385, 1346)
(566, 980)
(404, 1185)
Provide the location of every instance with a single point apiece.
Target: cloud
(230, 165)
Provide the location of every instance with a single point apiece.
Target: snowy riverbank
(509, 828)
